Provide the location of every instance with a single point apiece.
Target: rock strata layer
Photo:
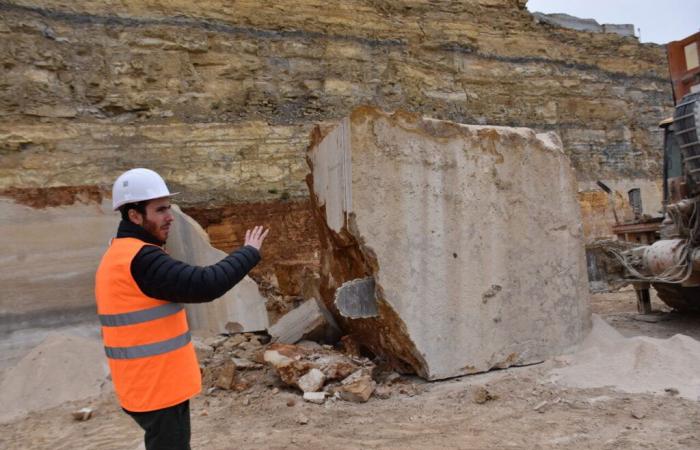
(221, 98)
(472, 235)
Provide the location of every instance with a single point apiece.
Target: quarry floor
(525, 411)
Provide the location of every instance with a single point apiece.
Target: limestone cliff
(220, 96)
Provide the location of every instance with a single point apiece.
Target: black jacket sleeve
(160, 276)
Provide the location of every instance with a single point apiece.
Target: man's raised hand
(256, 236)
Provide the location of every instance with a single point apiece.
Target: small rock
(211, 390)
(234, 341)
(383, 392)
(302, 419)
(254, 341)
(204, 413)
(392, 377)
(310, 345)
(246, 401)
(202, 350)
(215, 341)
(245, 364)
(358, 391)
(410, 390)
(540, 406)
(315, 397)
(227, 376)
(240, 386)
(638, 414)
(671, 391)
(481, 395)
(275, 391)
(312, 381)
(356, 375)
(82, 414)
(291, 402)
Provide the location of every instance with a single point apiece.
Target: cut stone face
(357, 299)
(472, 235)
(242, 308)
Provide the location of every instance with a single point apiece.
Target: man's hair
(140, 207)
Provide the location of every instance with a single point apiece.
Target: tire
(684, 299)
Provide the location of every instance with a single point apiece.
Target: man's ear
(135, 217)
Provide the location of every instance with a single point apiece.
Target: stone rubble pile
(245, 363)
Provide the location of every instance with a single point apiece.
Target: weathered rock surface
(220, 99)
(476, 249)
(48, 261)
(243, 305)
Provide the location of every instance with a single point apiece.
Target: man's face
(157, 219)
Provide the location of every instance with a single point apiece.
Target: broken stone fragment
(234, 341)
(83, 414)
(292, 362)
(243, 306)
(287, 360)
(638, 414)
(215, 341)
(383, 391)
(359, 390)
(315, 397)
(353, 377)
(442, 216)
(312, 381)
(245, 364)
(227, 376)
(540, 407)
(307, 321)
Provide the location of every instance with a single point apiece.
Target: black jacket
(162, 277)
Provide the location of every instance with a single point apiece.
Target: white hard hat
(137, 185)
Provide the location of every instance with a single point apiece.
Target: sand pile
(638, 364)
(62, 368)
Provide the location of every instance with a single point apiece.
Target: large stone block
(471, 233)
(243, 307)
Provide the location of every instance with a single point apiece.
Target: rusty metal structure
(665, 253)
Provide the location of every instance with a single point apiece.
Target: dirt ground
(514, 408)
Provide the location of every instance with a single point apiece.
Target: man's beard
(152, 228)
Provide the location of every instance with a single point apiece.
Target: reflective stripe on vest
(156, 348)
(144, 315)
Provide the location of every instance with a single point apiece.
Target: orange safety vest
(147, 341)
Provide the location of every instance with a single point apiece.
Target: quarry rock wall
(220, 97)
(232, 89)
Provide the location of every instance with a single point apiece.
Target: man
(140, 291)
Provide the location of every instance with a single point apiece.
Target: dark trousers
(167, 428)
